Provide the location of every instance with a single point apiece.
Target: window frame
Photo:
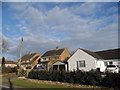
(110, 63)
(81, 64)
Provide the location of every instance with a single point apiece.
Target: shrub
(111, 80)
(79, 77)
(9, 70)
(22, 72)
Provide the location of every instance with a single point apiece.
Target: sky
(72, 25)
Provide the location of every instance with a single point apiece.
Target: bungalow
(111, 57)
(85, 60)
(52, 56)
(11, 64)
(29, 61)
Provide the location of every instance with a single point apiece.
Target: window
(110, 63)
(44, 58)
(80, 64)
(106, 63)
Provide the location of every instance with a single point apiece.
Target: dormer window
(44, 58)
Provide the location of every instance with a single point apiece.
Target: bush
(111, 80)
(22, 72)
(78, 77)
(9, 70)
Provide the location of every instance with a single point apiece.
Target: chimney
(29, 53)
(57, 48)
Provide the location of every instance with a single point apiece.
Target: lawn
(28, 84)
(5, 77)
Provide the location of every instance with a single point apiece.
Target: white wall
(9, 65)
(44, 59)
(101, 65)
(114, 61)
(80, 55)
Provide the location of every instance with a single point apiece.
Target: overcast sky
(72, 25)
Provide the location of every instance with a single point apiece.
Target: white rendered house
(111, 56)
(85, 60)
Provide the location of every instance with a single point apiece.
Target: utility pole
(19, 64)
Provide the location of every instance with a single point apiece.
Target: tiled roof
(27, 56)
(10, 62)
(109, 54)
(92, 54)
(54, 52)
(25, 63)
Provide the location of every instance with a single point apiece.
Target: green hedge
(79, 77)
(9, 70)
(111, 80)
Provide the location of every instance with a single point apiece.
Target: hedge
(9, 70)
(78, 77)
(111, 80)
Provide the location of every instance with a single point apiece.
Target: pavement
(9, 86)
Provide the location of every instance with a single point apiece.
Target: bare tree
(4, 46)
(3, 61)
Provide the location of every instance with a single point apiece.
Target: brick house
(29, 61)
(52, 56)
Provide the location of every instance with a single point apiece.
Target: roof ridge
(55, 49)
(53, 52)
(9, 61)
(95, 55)
(108, 50)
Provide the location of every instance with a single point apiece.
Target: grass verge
(28, 84)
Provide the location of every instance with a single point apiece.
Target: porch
(59, 65)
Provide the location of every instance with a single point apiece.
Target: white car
(112, 68)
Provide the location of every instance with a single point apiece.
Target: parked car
(119, 68)
(38, 68)
(112, 68)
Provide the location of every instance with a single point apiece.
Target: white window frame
(81, 64)
(110, 63)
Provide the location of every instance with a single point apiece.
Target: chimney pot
(57, 48)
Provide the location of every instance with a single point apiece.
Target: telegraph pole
(19, 64)
(21, 51)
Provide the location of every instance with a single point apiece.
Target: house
(11, 64)
(7, 63)
(52, 56)
(30, 60)
(111, 57)
(85, 60)
(60, 65)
